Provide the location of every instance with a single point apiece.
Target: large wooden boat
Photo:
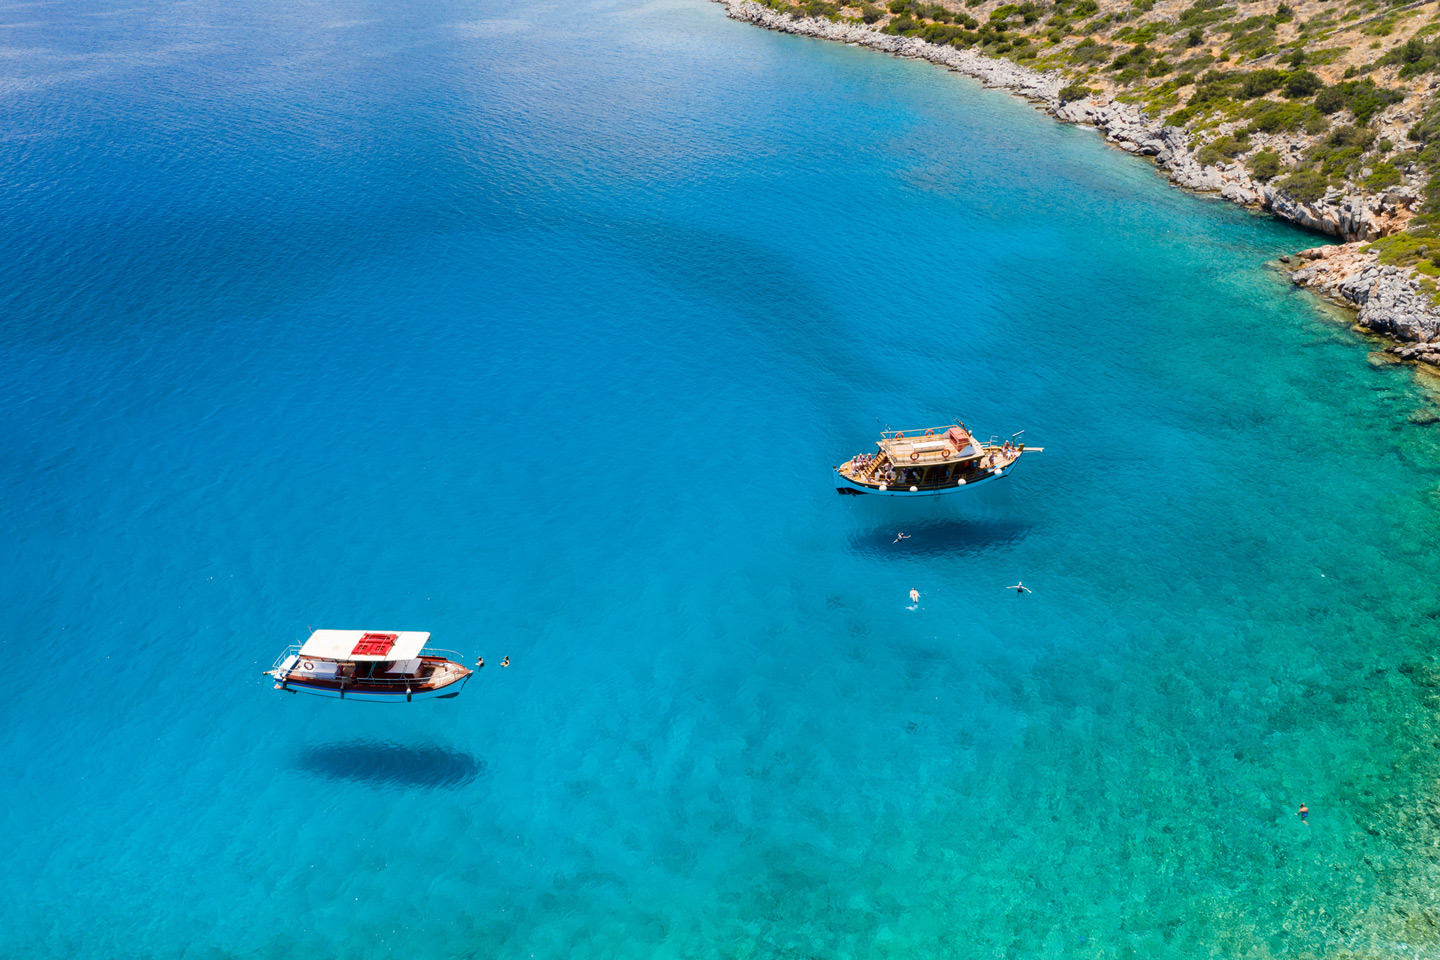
(370, 665)
(928, 462)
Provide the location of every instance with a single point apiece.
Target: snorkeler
(1020, 588)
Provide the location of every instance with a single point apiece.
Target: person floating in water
(1304, 814)
(481, 664)
(914, 595)
(1020, 588)
(901, 536)
(506, 661)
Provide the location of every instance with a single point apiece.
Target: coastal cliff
(1380, 273)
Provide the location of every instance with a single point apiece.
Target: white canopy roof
(341, 644)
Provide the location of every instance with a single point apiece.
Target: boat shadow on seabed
(390, 764)
(936, 538)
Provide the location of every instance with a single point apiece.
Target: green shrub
(1221, 148)
(870, 13)
(1366, 99)
(1283, 14)
(1215, 85)
(1382, 177)
(1414, 56)
(1302, 83)
(1362, 97)
(1031, 12)
(1195, 37)
(933, 11)
(1340, 153)
(1427, 128)
(1307, 186)
(1329, 100)
(1088, 51)
(1271, 117)
(1265, 165)
(1074, 92)
(1204, 12)
(1403, 249)
(1084, 8)
(1145, 34)
(1256, 43)
(1260, 82)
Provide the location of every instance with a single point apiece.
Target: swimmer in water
(914, 595)
(1020, 588)
(480, 665)
(506, 661)
(1304, 814)
(901, 536)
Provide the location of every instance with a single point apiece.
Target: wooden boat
(928, 462)
(370, 665)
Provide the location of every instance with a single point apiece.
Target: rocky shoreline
(1388, 300)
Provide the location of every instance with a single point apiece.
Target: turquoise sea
(539, 327)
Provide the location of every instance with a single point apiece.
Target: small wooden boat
(928, 462)
(370, 665)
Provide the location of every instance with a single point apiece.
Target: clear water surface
(538, 326)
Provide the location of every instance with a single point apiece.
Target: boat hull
(374, 696)
(847, 487)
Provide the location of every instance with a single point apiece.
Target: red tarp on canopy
(374, 644)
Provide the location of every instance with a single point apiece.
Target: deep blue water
(538, 327)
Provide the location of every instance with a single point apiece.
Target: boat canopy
(391, 645)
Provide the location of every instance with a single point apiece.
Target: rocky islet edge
(1388, 300)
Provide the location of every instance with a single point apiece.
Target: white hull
(449, 690)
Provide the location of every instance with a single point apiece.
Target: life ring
(929, 433)
(945, 454)
(915, 455)
(900, 436)
(307, 665)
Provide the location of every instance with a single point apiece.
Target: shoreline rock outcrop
(1388, 300)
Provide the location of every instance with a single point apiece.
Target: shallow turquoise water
(539, 328)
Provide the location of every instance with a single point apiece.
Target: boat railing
(398, 680)
(920, 432)
(1017, 440)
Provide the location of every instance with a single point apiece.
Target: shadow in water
(933, 538)
(379, 762)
